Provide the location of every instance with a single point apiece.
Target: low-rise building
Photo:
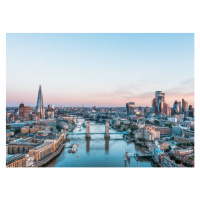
(147, 133)
(25, 130)
(167, 162)
(182, 139)
(18, 160)
(164, 131)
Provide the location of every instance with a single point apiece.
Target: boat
(68, 145)
(74, 148)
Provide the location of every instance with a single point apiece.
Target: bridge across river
(118, 133)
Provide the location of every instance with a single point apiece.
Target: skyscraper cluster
(188, 111)
(159, 105)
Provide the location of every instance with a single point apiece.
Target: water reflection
(87, 144)
(98, 151)
(107, 140)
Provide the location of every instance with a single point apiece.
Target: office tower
(168, 111)
(50, 112)
(179, 106)
(160, 93)
(158, 102)
(191, 111)
(24, 111)
(130, 108)
(52, 106)
(21, 109)
(154, 105)
(184, 106)
(40, 107)
(176, 108)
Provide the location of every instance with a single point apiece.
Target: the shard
(40, 107)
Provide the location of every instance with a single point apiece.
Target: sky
(99, 69)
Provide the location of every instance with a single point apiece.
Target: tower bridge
(89, 133)
(106, 134)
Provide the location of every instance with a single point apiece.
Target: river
(99, 152)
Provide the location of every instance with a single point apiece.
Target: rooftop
(13, 158)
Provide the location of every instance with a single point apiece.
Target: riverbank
(50, 158)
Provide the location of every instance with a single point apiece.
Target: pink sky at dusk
(99, 69)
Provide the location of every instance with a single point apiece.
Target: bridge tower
(107, 134)
(88, 130)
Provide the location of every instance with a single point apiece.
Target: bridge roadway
(119, 133)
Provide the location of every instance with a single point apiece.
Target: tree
(148, 122)
(118, 126)
(17, 130)
(187, 164)
(156, 122)
(192, 128)
(169, 125)
(131, 133)
(124, 129)
(134, 127)
(8, 126)
(172, 138)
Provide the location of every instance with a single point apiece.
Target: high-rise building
(50, 112)
(167, 110)
(176, 108)
(40, 107)
(154, 105)
(184, 106)
(24, 111)
(130, 108)
(158, 102)
(179, 106)
(21, 108)
(191, 111)
(159, 93)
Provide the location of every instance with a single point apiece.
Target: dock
(143, 154)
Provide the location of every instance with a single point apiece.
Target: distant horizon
(16, 104)
(102, 70)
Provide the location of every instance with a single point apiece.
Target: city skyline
(99, 69)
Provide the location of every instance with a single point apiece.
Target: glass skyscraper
(130, 108)
(40, 107)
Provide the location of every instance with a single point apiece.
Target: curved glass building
(176, 107)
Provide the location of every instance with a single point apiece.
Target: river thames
(99, 152)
